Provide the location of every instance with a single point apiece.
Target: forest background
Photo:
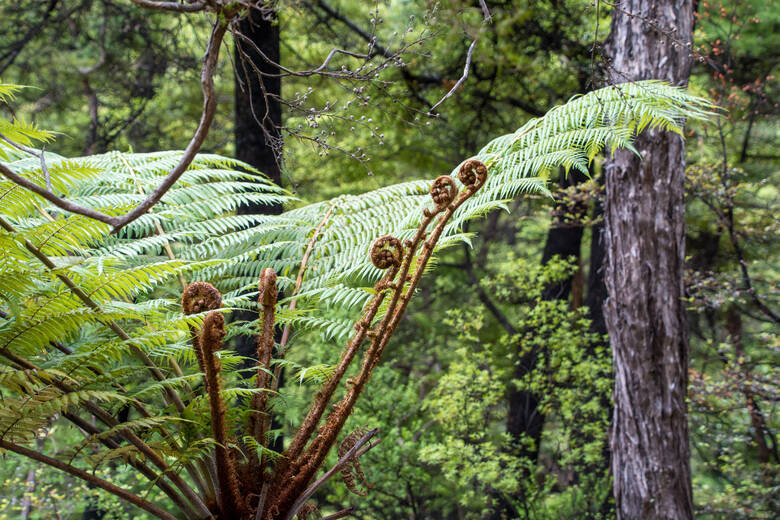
(108, 75)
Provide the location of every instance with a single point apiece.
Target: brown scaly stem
(289, 464)
(265, 346)
(323, 396)
(196, 298)
(350, 455)
(88, 477)
(293, 477)
(212, 334)
(286, 331)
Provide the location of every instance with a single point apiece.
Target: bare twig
(371, 39)
(728, 219)
(176, 7)
(340, 514)
(321, 69)
(485, 19)
(459, 82)
(485, 11)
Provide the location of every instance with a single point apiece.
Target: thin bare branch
(207, 117)
(321, 69)
(460, 81)
(339, 514)
(485, 11)
(371, 39)
(191, 7)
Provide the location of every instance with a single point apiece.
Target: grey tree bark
(645, 241)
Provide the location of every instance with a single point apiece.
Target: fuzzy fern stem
(213, 331)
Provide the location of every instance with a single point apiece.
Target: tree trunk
(258, 111)
(644, 313)
(258, 118)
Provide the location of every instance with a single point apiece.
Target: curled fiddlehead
(199, 297)
(351, 471)
(300, 464)
(386, 252)
(443, 191)
(473, 174)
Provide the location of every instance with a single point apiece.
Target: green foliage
(88, 310)
(573, 380)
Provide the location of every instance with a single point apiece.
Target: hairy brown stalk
(323, 396)
(265, 346)
(287, 329)
(212, 334)
(299, 466)
(88, 477)
(200, 297)
(289, 464)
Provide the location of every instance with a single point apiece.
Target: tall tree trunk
(258, 111)
(258, 118)
(644, 312)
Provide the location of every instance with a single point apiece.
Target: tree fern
(91, 322)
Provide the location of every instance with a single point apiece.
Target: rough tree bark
(644, 312)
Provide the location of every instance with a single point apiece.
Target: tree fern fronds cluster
(91, 325)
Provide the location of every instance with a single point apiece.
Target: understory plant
(121, 332)
(549, 477)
